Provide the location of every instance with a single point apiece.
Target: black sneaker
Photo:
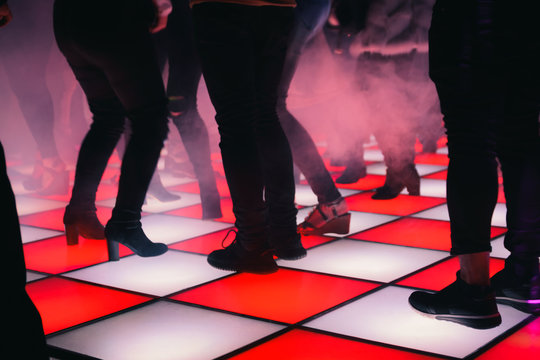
(459, 302)
(236, 258)
(290, 248)
(520, 294)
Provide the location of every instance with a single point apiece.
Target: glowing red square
(54, 256)
(443, 274)
(523, 344)
(195, 211)
(53, 219)
(423, 233)
(288, 295)
(401, 205)
(64, 303)
(307, 345)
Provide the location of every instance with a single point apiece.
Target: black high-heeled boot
(210, 202)
(82, 222)
(396, 181)
(130, 234)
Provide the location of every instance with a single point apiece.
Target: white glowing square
(170, 229)
(164, 330)
(160, 276)
(423, 169)
(443, 150)
(431, 187)
(373, 155)
(360, 221)
(30, 205)
(386, 316)
(30, 233)
(366, 260)
(32, 276)
(304, 195)
(440, 212)
(497, 248)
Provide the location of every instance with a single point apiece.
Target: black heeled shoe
(82, 222)
(352, 174)
(396, 181)
(211, 204)
(131, 235)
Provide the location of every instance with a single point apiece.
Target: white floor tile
(366, 260)
(30, 233)
(32, 276)
(441, 213)
(431, 187)
(386, 316)
(170, 229)
(423, 169)
(30, 205)
(160, 275)
(164, 331)
(373, 155)
(360, 221)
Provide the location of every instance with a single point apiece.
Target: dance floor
(346, 300)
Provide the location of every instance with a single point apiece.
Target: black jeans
(30, 34)
(176, 46)
(309, 17)
(114, 61)
(25, 337)
(242, 50)
(484, 60)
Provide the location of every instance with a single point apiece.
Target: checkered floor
(346, 300)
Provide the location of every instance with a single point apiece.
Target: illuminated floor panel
(165, 330)
(365, 260)
(385, 316)
(346, 300)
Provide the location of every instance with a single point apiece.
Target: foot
(131, 235)
(236, 257)
(331, 217)
(459, 302)
(352, 174)
(396, 181)
(521, 294)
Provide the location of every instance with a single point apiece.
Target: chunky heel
(113, 249)
(72, 234)
(414, 188)
(339, 225)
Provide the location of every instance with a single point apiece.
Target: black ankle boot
(82, 222)
(130, 234)
(352, 173)
(396, 181)
(210, 203)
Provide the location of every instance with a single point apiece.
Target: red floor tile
(288, 295)
(439, 276)
(441, 175)
(195, 211)
(307, 345)
(522, 345)
(54, 256)
(64, 303)
(401, 205)
(53, 219)
(428, 234)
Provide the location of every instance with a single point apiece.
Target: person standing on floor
(108, 45)
(242, 46)
(484, 61)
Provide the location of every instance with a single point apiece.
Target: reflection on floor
(346, 300)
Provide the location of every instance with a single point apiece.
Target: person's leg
(182, 87)
(25, 336)
(471, 104)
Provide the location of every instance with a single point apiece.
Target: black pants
(242, 50)
(484, 60)
(25, 46)
(114, 61)
(176, 46)
(25, 336)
